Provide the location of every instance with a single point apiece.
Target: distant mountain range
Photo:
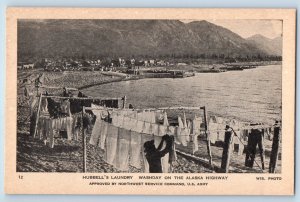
(270, 46)
(124, 38)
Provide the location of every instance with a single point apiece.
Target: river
(252, 95)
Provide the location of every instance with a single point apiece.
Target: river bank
(67, 155)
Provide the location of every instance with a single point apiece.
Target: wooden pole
(207, 138)
(83, 140)
(227, 150)
(261, 148)
(37, 116)
(275, 150)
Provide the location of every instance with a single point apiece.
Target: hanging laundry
(42, 130)
(146, 128)
(152, 117)
(123, 148)
(162, 130)
(128, 123)
(64, 124)
(196, 125)
(44, 105)
(136, 149)
(154, 129)
(111, 144)
(180, 132)
(65, 108)
(166, 122)
(255, 139)
(115, 119)
(159, 116)
(213, 129)
(165, 159)
(153, 155)
(77, 118)
(244, 135)
(195, 143)
(186, 129)
(103, 134)
(184, 120)
(95, 136)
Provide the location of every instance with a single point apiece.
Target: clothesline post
(227, 150)
(83, 140)
(37, 116)
(207, 138)
(275, 150)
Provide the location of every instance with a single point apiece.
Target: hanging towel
(103, 134)
(153, 117)
(146, 128)
(171, 130)
(122, 156)
(154, 129)
(162, 130)
(213, 129)
(196, 123)
(165, 159)
(139, 126)
(128, 123)
(68, 126)
(159, 116)
(136, 147)
(184, 120)
(96, 129)
(181, 132)
(186, 129)
(111, 144)
(44, 105)
(166, 122)
(195, 143)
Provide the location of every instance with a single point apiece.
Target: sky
(246, 28)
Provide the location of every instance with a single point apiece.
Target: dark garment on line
(154, 155)
(255, 139)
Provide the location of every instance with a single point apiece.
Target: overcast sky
(247, 28)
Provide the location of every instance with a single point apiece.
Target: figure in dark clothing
(256, 138)
(154, 155)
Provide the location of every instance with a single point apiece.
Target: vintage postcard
(150, 101)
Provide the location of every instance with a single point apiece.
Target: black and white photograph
(149, 96)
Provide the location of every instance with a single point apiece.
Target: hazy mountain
(270, 46)
(48, 38)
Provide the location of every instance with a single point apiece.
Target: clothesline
(80, 98)
(257, 126)
(55, 87)
(150, 109)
